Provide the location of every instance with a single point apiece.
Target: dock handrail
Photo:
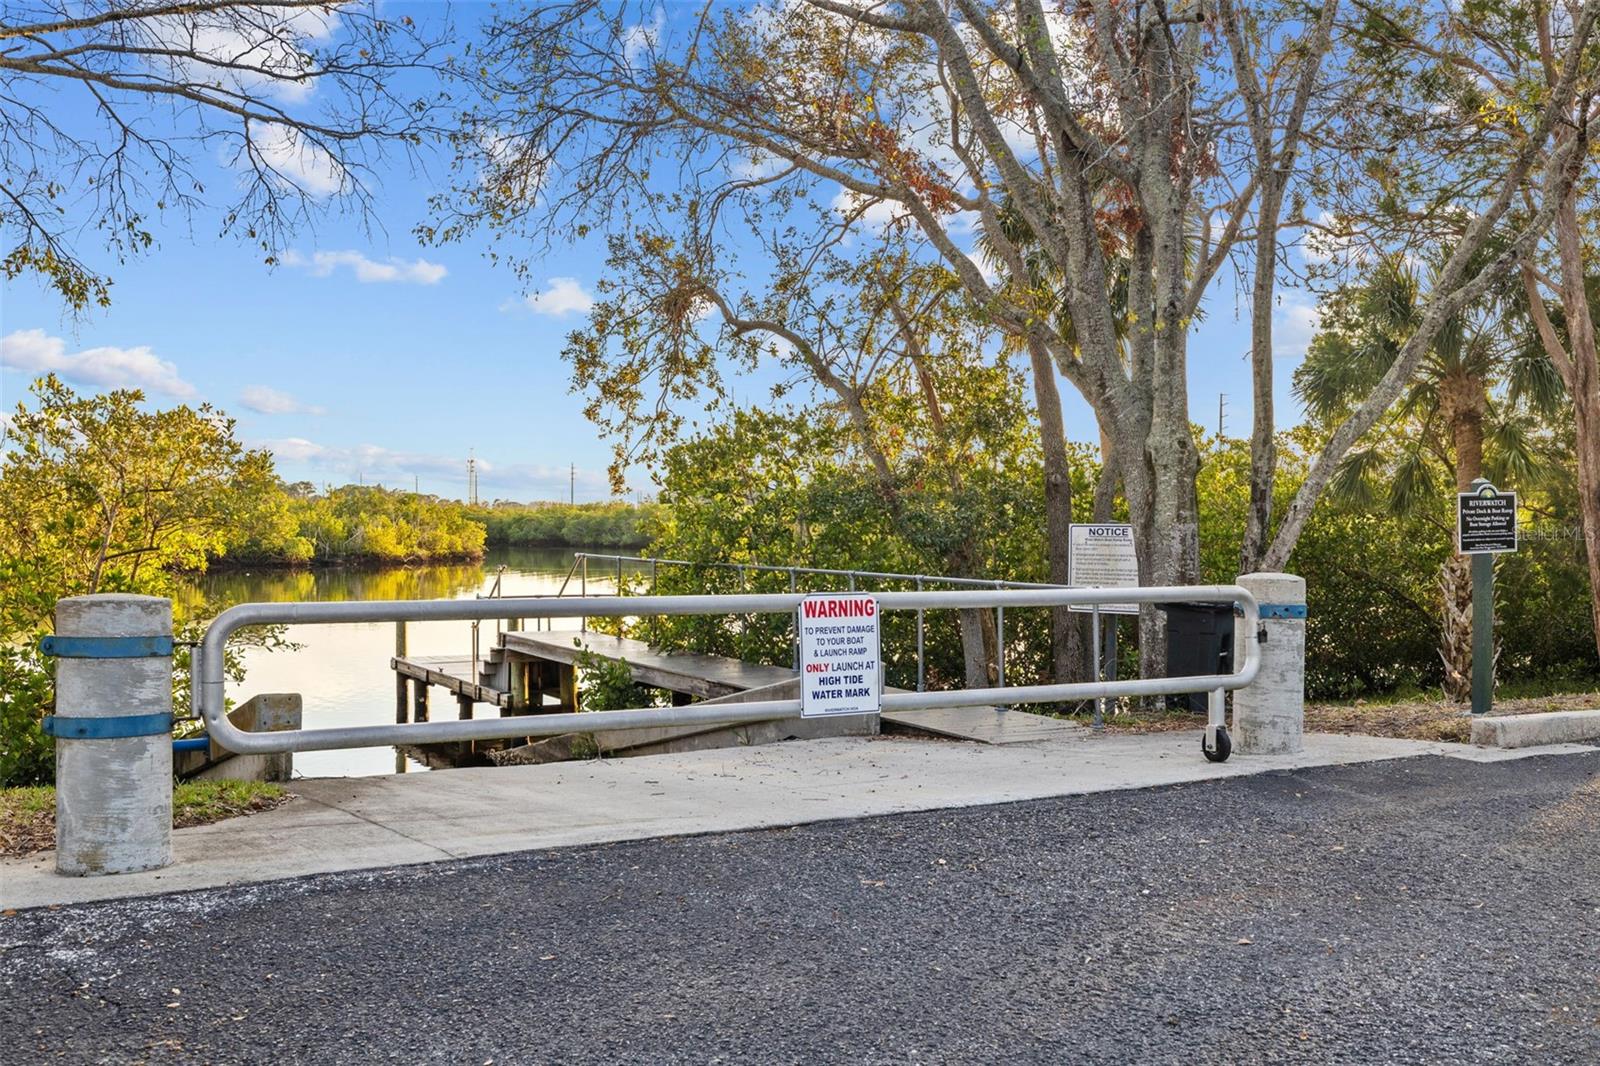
(493, 593)
(210, 692)
(580, 563)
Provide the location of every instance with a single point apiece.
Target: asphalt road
(1428, 911)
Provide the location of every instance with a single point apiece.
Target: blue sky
(367, 357)
(363, 357)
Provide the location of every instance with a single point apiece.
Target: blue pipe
(192, 744)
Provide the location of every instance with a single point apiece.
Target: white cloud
(321, 264)
(873, 214)
(33, 352)
(372, 460)
(376, 463)
(641, 40)
(263, 399)
(757, 166)
(296, 163)
(560, 298)
(1294, 324)
(1333, 241)
(254, 50)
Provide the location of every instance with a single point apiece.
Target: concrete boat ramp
(343, 824)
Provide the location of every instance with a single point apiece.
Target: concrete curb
(1530, 730)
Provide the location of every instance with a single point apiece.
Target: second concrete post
(1269, 713)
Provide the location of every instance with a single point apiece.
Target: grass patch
(1407, 716)
(28, 815)
(1128, 717)
(1434, 718)
(204, 802)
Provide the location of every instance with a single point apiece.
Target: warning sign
(1101, 556)
(840, 663)
(1486, 521)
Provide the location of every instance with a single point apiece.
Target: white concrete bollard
(1269, 714)
(113, 729)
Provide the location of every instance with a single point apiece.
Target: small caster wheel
(1223, 749)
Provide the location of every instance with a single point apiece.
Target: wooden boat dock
(536, 672)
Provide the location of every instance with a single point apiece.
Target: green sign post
(1486, 525)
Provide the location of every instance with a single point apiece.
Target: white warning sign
(1102, 556)
(841, 667)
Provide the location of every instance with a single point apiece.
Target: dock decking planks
(451, 673)
(705, 676)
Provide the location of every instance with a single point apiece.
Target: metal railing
(920, 582)
(209, 693)
(492, 594)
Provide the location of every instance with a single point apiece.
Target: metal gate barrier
(208, 678)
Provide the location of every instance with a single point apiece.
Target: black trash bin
(1199, 641)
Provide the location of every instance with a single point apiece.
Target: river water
(342, 671)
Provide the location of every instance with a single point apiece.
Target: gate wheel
(1223, 749)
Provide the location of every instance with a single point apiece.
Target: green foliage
(786, 488)
(1372, 579)
(607, 684)
(27, 756)
(775, 488)
(559, 525)
(359, 523)
(103, 495)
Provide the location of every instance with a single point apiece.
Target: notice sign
(840, 664)
(1102, 557)
(1486, 521)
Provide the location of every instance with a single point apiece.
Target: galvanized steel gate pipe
(209, 693)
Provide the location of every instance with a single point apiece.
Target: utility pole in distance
(1221, 398)
(572, 485)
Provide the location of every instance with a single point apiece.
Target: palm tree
(1479, 404)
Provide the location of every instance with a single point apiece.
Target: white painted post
(113, 794)
(1269, 713)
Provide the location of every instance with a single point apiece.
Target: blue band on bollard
(1283, 610)
(109, 728)
(105, 647)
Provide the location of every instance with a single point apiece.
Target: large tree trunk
(1263, 449)
(1274, 165)
(1578, 370)
(1065, 653)
(1455, 634)
(1583, 385)
(978, 643)
(1105, 486)
(1586, 415)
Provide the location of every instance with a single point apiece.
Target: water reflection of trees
(223, 589)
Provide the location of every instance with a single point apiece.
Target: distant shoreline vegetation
(612, 524)
(360, 525)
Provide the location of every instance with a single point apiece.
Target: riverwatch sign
(1101, 556)
(841, 665)
(1486, 521)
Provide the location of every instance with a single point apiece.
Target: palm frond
(1531, 378)
(1413, 484)
(1352, 481)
